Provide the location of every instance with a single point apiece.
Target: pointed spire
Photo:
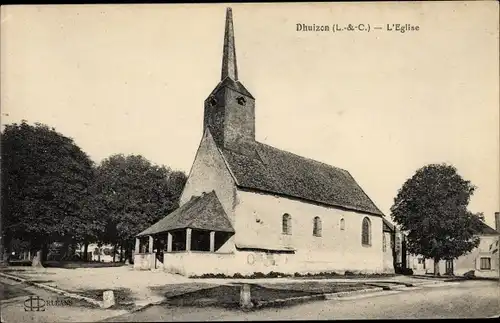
(229, 67)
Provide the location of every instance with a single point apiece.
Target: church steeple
(229, 66)
(230, 108)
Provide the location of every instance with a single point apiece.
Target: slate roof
(232, 84)
(203, 212)
(273, 170)
(486, 229)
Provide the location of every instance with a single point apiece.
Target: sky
(132, 79)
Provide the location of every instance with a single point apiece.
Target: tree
(90, 226)
(132, 194)
(431, 208)
(45, 179)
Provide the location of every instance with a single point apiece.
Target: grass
(347, 275)
(11, 269)
(19, 262)
(123, 297)
(262, 294)
(81, 264)
(67, 264)
(9, 291)
(319, 287)
(229, 296)
(171, 290)
(41, 281)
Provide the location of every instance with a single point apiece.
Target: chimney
(497, 221)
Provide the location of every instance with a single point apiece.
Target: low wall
(144, 261)
(248, 262)
(198, 263)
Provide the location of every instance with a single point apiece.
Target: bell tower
(230, 109)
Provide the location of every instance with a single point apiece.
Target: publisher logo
(34, 304)
(38, 304)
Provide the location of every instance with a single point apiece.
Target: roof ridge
(196, 200)
(488, 228)
(204, 195)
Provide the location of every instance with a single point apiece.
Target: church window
(213, 101)
(317, 227)
(342, 224)
(365, 232)
(241, 100)
(287, 224)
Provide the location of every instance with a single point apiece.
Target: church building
(249, 207)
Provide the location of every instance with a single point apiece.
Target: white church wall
(258, 224)
(209, 172)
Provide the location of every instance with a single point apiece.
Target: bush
(330, 274)
(349, 273)
(400, 270)
(471, 274)
(210, 275)
(407, 271)
(258, 275)
(255, 275)
(272, 274)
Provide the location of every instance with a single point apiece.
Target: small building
(248, 207)
(96, 253)
(483, 260)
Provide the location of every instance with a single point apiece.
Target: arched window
(384, 243)
(287, 224)
(365, 232)
(342, 224)
(317, 227)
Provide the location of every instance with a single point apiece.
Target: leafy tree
(45, 180)
(90, 227)
(132, 194)
(432, 208)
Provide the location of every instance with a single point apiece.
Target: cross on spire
(229, 67)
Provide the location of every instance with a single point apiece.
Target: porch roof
(203, 212)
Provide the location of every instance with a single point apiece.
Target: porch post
(212, 241)
(151, 244)
(188, 239)
(169, 242)
(137, 244)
